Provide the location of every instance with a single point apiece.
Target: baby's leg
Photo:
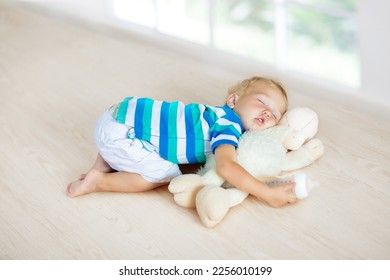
(97, 181)
(101, 165)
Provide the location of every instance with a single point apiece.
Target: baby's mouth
(259, 120)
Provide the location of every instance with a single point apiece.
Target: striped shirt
(180, 133)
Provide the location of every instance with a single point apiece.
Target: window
(313, 37)
(186, 19)
(321, 40)
(139, 12)
(246, 28)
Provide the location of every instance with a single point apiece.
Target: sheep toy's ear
(293, 140)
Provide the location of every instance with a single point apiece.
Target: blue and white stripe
(180, 133)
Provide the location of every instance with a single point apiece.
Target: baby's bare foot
(84, 186)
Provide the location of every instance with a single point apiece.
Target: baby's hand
(278, 196)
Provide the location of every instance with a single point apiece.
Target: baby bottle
(303, 184)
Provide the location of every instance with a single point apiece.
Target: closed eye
(261, 101)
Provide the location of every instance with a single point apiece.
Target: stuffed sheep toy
(285, 147)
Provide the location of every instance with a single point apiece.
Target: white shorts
(131, 155)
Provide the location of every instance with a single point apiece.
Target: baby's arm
(233, 173)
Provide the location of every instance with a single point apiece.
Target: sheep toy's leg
(213, 203)
(304, 156)
(185, 188)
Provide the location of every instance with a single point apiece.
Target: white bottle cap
(301, 191)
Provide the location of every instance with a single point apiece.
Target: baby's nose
(267, 114)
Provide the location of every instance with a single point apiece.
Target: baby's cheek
(270, 123)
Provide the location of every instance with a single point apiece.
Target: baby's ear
(231, 100)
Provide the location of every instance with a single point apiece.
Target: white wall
(374, 43)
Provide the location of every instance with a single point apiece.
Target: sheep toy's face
(302, 120)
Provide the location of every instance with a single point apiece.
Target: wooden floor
(56, 79)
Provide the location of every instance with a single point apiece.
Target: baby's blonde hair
(240, 87)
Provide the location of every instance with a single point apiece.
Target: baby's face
(261, 106)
